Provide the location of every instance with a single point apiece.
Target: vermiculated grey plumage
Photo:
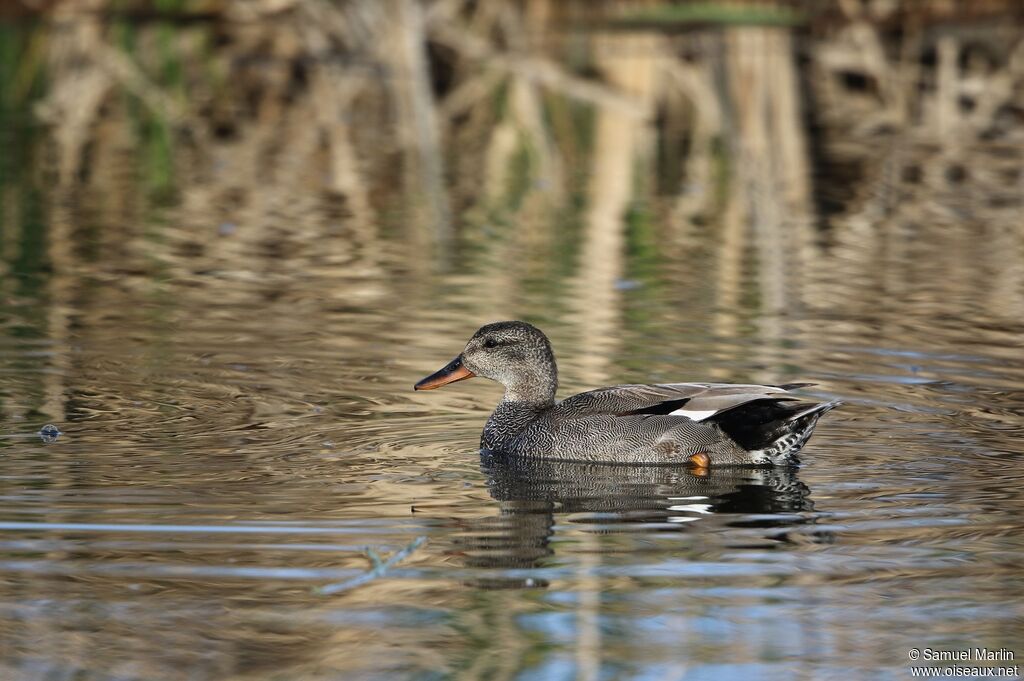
(628, 424)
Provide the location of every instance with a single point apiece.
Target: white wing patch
(693, 414)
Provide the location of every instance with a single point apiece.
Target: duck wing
(696, 401)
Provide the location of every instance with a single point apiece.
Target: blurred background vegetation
(176, 138)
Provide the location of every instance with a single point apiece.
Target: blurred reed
(790, 128)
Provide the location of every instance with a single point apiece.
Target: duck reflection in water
(534, 495)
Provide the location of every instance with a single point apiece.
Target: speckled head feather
(517, 355)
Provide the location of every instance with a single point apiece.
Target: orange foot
(701, 462)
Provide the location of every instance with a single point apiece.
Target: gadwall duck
(698, 423)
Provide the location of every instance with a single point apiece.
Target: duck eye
(490, 343)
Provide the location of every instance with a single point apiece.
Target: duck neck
(528, 393)
(508, 420)
(535, 391)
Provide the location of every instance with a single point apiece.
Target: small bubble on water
(49, 433)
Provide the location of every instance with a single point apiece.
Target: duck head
(516, 354)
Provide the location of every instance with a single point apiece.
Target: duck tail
(773, 431)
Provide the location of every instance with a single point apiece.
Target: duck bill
(450, 373)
